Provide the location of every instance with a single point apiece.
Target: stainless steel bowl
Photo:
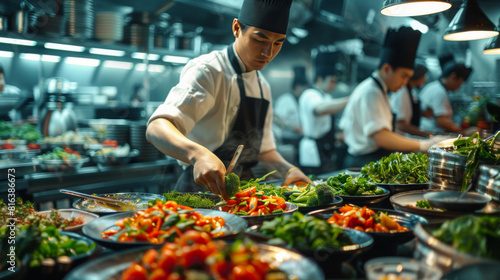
(436, 253)
(489, 181)
(446, 170)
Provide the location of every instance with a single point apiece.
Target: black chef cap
(459, 69)
(400, 47)
(299, 77)
(419, 71)
(270, 15)
(325, 64)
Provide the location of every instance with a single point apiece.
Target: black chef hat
(400, 47)
(325, 64)
(270, 15)
(299, 77)
(419, 71)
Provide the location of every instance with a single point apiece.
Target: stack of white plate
(138, 141)
(109, 27)
(118, 132)
(79, 15)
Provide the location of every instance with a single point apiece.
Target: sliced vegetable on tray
(365, 219)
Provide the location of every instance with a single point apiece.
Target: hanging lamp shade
(470, 23)
(493, 46)
(408, 8)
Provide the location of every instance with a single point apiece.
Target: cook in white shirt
(222, 101)
(434, 96)
(367, 120)
(406, 106)
(317, 106)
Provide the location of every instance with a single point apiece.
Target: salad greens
(320, 194)
(305, 232)
(398, 168)
(475, 149)
(25, 131)
(345, 184)
(478, 236)
(187, 199)
(61, 154)
(424, 203)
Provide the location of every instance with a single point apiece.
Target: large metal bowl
(489, 181)
(436, 253)
(446, 170)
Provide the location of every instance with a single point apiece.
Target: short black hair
(394, 68)
(243, 27)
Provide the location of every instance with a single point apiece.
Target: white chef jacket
(367, 112)
(401, 105)
(434, 96)
(313, 126)
(204, 104)
(286, 108)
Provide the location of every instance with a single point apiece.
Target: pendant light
(408, 8)
(470, 23)
(492, 47)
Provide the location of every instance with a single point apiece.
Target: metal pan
(139, 199)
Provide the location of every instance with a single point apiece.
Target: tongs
(104, 201)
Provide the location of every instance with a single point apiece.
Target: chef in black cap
(222, 101)
(367, 121)
(317, 107)
(406, 106)
(434, 96)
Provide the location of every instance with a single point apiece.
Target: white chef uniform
(367, 112)
(434, 96)
(286, 108)
(204, 105)
(313, 126)
(401, 104)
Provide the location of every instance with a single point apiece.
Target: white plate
(73, 213)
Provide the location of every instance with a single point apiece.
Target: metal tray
(140, 199)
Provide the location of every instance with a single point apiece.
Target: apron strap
(383, 90)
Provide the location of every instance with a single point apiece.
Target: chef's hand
(426, 144)
(295, 175)
(208, 171)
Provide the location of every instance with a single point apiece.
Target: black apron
(248, 130)
(415, 108)
(362, 160)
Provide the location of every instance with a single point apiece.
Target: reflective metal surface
(489, 181)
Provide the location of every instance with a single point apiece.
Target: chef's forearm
(447, 125)
(170, 141)
(411, 129)
(331, 107)
(391, 141)
(272, 160)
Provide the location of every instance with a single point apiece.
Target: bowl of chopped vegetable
(358, 191)
(327, 244)
(388, 228)
(73, 219)
(457, 201)
(398, 172)
(459, 242)
(61, 160)
(310, 198)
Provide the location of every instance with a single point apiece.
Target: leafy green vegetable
(232, 184)
(60, 154)
(254, 182)
(305, 232)
(25, 131)
(424, 204)
(325, 194)
(398, 168)
(475, 149)
(478, 236)
(345, 184)
(188, 199)
(313, 200)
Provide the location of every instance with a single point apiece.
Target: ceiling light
(6, 54)
(51, 58)
(141, 55)
(408, 8)
(493, 46)
(64, 47)
(176, 59)
(118, 64)
(300, 32)
(30, 56)
(17, 41)
(470, 23)
(106, 52)
(151, 68)
(82, 61)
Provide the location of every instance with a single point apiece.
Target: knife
(235, 159)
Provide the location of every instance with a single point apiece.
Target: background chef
(223, 101)
(367, 120)
(406, 105)
(316, 107)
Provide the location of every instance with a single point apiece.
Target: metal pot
(446, 170)
(489, 181)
